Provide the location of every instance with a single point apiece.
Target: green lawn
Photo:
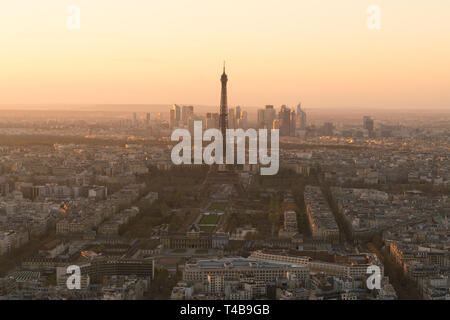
(179, 251)
(218, 206)
(208, 229)
(209, 219)
(201, 251)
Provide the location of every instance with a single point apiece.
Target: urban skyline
(313, 164)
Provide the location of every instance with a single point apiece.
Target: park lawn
(208, 229)
(179, 251)
(209, 219)
(218, 206)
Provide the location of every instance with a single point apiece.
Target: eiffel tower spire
(223, 122)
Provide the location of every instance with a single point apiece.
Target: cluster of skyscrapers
(289, 122)
(180, 116)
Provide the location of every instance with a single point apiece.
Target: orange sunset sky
(319, 52)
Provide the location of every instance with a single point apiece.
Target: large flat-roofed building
(353, 265)
(233, 268)
(99, 267)
(280, 256)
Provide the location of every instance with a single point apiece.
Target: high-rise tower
(223, 122)
(223, 174)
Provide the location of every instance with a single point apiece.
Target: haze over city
(163, 52)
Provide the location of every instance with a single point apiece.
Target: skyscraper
(237, 113)
(285, 121)
(328, 129)
(368, 124)
(242, 121)
(301, 117)
(266, 117)
(177, 111)
(231, 119)
(172, 120)
(186, 113)
(260, 123)
(293, 124)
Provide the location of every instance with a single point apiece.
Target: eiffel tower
(223, 120)
(222, 175)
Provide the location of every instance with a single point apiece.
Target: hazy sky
(319, 52)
